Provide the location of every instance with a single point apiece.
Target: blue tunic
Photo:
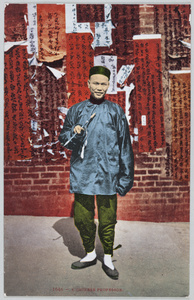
(107, 167)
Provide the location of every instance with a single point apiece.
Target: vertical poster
(148, 79)
(17, 112)
(180, 106)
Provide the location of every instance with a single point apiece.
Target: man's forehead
(99, 77)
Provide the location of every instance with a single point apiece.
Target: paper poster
(16, 109)
(32, 34)
(51, 32)
(15, 22)
(80, 57)
(180, 107)
(148, 78)
(124, 73)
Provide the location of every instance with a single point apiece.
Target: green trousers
(84, 220)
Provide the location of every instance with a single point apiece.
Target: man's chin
(98, 97)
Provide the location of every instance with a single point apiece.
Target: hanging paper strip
(80, 57)
(180, 108)
(51, 32)
(16, 110)
(149, 97)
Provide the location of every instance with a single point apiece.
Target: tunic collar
(95, 101)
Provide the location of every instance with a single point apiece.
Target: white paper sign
(124, 73)
(71, 21)
(109, 61)
(32, 29)
(143, 120)
(103, 30)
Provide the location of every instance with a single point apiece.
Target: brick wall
(43, 190)
(40, 187)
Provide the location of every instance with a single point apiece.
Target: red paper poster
(149, 97)
(180, 109)
(90, 13)
(16, 99)
(51, 32)
(118, 98)
(80, 58)
(15, 23)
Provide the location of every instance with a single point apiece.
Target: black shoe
(113, 274)
(82, 265)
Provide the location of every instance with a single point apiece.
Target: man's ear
(88, 83)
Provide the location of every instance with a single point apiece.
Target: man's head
(98, 82)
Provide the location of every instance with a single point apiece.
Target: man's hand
(78, 129)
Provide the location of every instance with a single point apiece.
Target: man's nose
(100, 87)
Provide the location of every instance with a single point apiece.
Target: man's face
(98, 85)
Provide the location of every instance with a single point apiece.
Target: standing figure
(102, 165)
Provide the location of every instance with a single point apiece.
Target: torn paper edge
(147, 36)
(180, 72)
(58, 74)
(9, 45)
(186, 44)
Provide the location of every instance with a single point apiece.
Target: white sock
(89, 256)
(108, 261)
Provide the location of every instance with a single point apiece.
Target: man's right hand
(78, 129)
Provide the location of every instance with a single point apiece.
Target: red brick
(22, 182)
(147, 183)
(163, 183)
(184, 189)
(148, 178)
(47, 193)
(64, 175)
(138, 190)
(57, 187)
(181, 183)
(170, 189)
(155, 171)
(140, 172)
(18, 170)
(41, 181)
(48, 175)
(59, 181)
(37, 169)
(8, 182)
(30, 175)
(12, 176)
(39, 187)
(152, 189)
(56, 168)
(22, 188)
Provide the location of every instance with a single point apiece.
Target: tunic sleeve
(126, 170)
(67, 132)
